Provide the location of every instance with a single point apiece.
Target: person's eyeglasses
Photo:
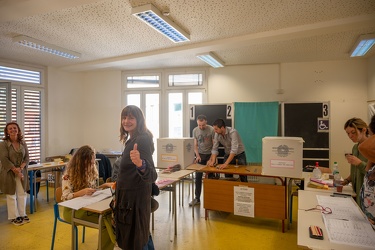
(324, 210)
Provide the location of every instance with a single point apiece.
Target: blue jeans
(199, 175)
(241, 160)
(149, 245)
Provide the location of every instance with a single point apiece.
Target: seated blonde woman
(80, 179)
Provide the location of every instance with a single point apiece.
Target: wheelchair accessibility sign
(323, 125)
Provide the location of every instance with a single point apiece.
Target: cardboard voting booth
(282, 156)
(172, 151)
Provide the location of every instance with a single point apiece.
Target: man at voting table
(203, 141)
(233, 147)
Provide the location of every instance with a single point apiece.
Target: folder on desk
(329, 183)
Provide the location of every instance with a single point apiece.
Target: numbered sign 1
(229, 111)
(192, 112)
(325, 110)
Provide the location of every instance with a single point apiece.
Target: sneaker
(17, 221)
(116, 247)
(25, 219)
(194, 202)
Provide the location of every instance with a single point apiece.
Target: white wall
(102, 110)
(64, 109)
(342, 83)
(83, 108)
(249, 83)
(371, 79)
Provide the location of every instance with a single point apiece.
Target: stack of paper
(86, 200)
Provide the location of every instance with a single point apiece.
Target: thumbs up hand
(135, 156)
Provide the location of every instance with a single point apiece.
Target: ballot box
(282, 156)
(172, 151)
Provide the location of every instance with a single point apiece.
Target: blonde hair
(357, 124)
(80, 169)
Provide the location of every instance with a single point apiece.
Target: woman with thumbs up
(133, 189)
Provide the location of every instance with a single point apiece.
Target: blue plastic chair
(58, 218)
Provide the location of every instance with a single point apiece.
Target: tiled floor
(220, 231)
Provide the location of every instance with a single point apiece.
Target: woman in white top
(80, 179)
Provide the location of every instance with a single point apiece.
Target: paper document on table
(86, 200)
(346, 224)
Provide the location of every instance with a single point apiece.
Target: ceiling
(240, 32)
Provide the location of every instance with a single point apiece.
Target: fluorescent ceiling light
(211, 59)
(45, 47)
(154, 18)
(363, 44)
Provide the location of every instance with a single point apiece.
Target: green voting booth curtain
(253, 121)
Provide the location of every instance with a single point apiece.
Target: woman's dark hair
(141, 123)
(6, 135)
(219, 123)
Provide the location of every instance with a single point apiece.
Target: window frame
(186, 72)
(21, 86)
(164, 89)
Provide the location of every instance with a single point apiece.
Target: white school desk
(175, 177)
(307, 200)
(180, 175)
(306, 176)
(171, 187)
(47, 166)
(345, 190)
(101, 208)
(308, 218)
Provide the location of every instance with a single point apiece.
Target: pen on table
(337, 195)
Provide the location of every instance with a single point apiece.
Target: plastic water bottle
(336, 174)
(335, 168)
(316, 172)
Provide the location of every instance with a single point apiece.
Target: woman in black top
(133, 190)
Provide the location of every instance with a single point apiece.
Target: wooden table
(269, 200)
(43, 167)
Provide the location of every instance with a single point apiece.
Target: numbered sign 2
(229, 111)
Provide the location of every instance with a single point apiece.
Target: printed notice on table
(244, 201)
